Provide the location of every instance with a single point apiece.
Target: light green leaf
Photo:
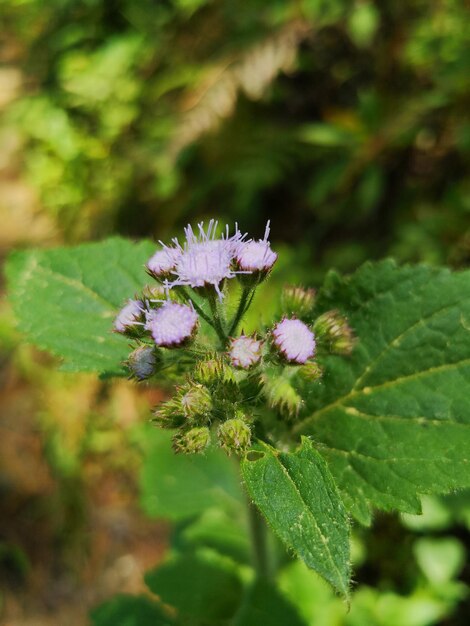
(311, 595)
(440, 559)
(297, 495)
(327, 135)
(393, 421)
(267, 606)
(180, 486)
(363, 23)
(220, 531)
(65, 299)
(201, 586)
(423, 607)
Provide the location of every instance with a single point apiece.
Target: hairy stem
(214, 322)
(217, 325)
(243, 305)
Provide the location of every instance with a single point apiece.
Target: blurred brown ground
(83, 537)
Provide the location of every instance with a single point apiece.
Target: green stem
(259, 545)
(241, 310)
(198, 308)
(217, 325)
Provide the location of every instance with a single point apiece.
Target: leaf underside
(65, 299)
(297, 495)
(393, 421)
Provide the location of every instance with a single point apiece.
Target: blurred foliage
(403, 576)
(348, 117)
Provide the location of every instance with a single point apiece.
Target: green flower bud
(333, 328)
(280, 394)
(297, 301)
(213, 372)
(169, 414)
(311, 371)
(192, 441)
(154, 293)
(196, 402)
(234, 436)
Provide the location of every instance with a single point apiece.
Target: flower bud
(213, 372)
(281, 395)
(294, 341)
(196, 402)
(297, 300)
(234, 436)
(159, 294)
(192, 441)
(129, 319)
(311, 371)
(142, 362)
(172, 325)
(169, 414)
(333, 328)
(245, 352)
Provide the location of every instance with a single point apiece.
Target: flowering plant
(350, 398)
(236, 388)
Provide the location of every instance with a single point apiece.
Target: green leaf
(327, 135)
(180, 486)
(220, 531)
(440, 559)
(311, 595)
(201, 586)
(65, 299)
(125, 610)
(267, 606)
(297, 495)
(393, 421)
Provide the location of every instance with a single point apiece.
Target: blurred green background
(345, 123)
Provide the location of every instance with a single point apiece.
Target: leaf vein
(311, 515)
(390, 345)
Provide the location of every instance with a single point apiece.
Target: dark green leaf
(266, 606)
(180, 486)
(394, 420)
(296, 493)
(124, 610)
(65, 299)
(201, 586)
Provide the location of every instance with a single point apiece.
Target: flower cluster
(186, 328)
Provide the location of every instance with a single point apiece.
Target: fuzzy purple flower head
(245, 352)
(129, 316)
(204, 260)
(172, 324)
(294, 340)
(163, 262)
(256, 256)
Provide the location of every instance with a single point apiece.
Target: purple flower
(172, 324)
(163, 262)
(245, 352)
(256, 256)
(129, 316)
(294, 340)
(205, 261)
